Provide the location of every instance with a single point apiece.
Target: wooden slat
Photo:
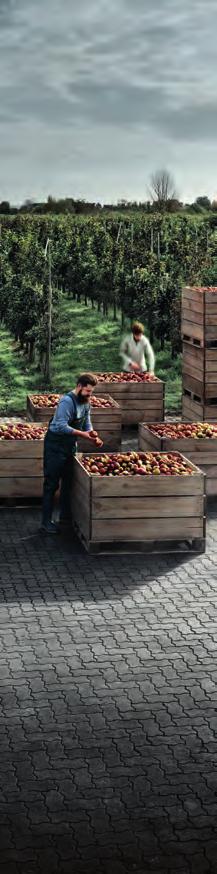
(143, 389)
(21, 467)
(193, 330)
(211, 355)
(192, 447)
(183, 445)
(192, 409)
(194, 354)
(210, 332)
(210, 390)
(211, 319)
(133, 417)
(210, 410)
(80, 475)
(135, 529)
(210, 298)
(194, 385)
(106, 421)
(147, 508)
(211, 308)
(211, 380)
(209, 469)
(193, 295)
(211, 486)
(193, 316)
(192, 369)
(143, 404)
(203, 458)
(21, 449)
(148, 440)
(210, 371)
(21, 487)
(194, 306)
(160, 486)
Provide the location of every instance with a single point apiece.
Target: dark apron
(67, 441)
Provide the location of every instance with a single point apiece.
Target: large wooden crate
(201, 451)
(138, 401)
(21, 468)
(133, 514)
(40, 414)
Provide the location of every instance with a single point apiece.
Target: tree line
(162, 197)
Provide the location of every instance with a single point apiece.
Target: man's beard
(81, 397)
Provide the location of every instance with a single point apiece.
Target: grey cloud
(193, 123)
(96, 73)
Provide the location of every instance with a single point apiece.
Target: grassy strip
(88, 342)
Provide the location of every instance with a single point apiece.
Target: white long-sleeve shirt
(137, 352)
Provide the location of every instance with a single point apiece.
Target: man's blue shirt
(71, 409)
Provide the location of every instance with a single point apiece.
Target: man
(135, 347)
(70, 421)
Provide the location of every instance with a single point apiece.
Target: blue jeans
(59, 450)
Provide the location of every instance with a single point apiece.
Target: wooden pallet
(109, 511)
(202, 452)
(138, 401)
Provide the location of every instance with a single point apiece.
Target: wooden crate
(107, 422)
(138, 401)
(201, 451)
(21, 468)
(199, 316)
(39, 414)
(138, 513)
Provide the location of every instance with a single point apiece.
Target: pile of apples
(179, 430)
(45, 400)
(137, 464)
(127, 377)
(21, 431)
(101, 403)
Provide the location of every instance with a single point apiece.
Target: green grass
(88, 342)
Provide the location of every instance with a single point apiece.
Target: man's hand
(151, 372)
(93, 434)
(95, 438)
(84, 434)
(134, 366)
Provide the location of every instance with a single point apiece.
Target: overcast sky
(95, 95)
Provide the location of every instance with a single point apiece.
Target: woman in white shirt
(136, 351)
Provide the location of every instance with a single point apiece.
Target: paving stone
(108, 695)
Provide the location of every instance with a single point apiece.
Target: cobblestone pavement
(108, 719)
